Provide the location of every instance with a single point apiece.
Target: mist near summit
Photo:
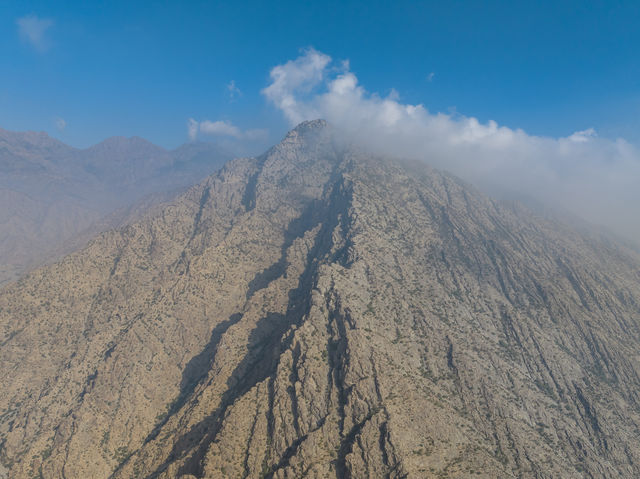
(589, 176)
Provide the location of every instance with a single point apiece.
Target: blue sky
(133, 68)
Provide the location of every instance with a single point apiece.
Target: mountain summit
(318, 312)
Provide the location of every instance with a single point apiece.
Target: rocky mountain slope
(51, 192)
(315, 312)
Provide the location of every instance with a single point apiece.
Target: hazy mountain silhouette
(51, 192)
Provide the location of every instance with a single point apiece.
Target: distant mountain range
(320, 312)
(51, 192)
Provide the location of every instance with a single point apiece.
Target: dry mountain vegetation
(316, 312)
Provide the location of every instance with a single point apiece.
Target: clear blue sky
(136, 68)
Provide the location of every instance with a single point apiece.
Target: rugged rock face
(52, 194)
(317, 313)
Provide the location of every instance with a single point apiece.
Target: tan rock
(318, 313)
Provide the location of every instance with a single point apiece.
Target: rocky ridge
(315, 312)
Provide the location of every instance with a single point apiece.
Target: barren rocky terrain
(317, 312)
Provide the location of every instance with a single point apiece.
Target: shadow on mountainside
(269, 338)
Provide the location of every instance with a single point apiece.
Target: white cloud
(33, 30)
(583, 136)
(295, 78)
(593, 177)
(219, 128)
(233, 91)
(430, 76)
(192, 129)
(61, 124)
(223, 128)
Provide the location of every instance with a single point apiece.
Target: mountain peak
(302, 314)
(31, 139)
(306, 127)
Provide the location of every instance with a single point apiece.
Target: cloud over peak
(33, 30)
(294, 79)
(593, 177)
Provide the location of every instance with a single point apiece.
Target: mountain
(29, 151)
(319, 312)
(51, 192)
